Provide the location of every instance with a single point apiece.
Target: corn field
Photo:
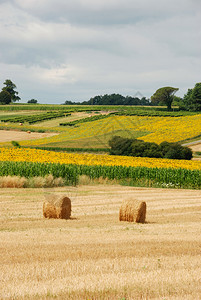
(179, 178)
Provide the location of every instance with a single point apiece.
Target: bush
(15, 144)
(134, 147)
(120, 146)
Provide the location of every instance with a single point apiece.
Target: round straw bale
(57, 207)
(133, 210)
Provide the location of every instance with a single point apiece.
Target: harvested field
(94, 255)
(11, 135)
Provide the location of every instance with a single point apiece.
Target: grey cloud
(74, 50)
(102, 12)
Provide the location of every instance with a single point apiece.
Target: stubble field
(93, 255)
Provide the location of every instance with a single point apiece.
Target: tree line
(112, 99)
(163, 96)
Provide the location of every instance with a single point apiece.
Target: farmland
(86, 130)
(96, 132)
(93, 255)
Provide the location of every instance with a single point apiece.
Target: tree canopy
(10, 88)
(5, 97)
(113, 99)
(164, 95)
(32, 101)
(192, 99)
(134, 147)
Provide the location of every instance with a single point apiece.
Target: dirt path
(195, 146)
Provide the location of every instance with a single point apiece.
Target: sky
(58, 50)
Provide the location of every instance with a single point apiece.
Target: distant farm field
(89, 129)
(94, 255)
(141, 123)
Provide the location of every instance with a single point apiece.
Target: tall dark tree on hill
(5, 97)
(10, 88)
(164, 95)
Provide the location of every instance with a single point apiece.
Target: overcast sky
(58, 50)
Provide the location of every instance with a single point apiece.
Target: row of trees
(113, 99)
(191, 100)
(163, 96)
(133, 147)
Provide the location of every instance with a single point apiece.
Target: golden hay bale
(57, 207)
(132, 210)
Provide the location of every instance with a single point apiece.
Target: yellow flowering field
(155, 129)
(43, 156)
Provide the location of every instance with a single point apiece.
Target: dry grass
(94, 255)
(13, 182)
(34, 182)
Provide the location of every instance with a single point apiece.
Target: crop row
(152, 113)
(35, 118)
(179, 178)
(68, 149)
(84, 120)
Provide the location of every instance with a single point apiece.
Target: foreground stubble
(93, 255)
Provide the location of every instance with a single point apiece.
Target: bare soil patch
(94, 255)
(11, 135)
(196, 147)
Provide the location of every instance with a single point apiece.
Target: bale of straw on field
(57, 207)
(133, 210)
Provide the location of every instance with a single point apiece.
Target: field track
(93, 255)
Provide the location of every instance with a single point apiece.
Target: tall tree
(196, 97)
(5, 97)
(10, 88)
(192, 99)
(164, 95)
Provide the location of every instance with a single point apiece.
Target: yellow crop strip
(158, 129)
(43, 156)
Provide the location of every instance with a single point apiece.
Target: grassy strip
(62, 149)
(52, 107)
(84, 120)
(153, 113)
(123, 110)
(179, 178)
(26, 128)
